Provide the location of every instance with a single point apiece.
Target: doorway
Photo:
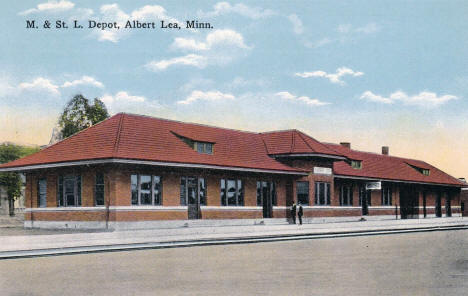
(364, 200)
(266, 197)
(448, 206)
(438, 205)
(409, 203)
(192, 190)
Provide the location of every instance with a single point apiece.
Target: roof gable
(294, 142)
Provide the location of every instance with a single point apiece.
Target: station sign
(322, 171)
(374, 185)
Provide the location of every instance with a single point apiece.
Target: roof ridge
(117, 138)
(314, 139)
(61, 141)
(376, 153)
(291, 149)
(279, 131)
(192, 123)
(305, 141)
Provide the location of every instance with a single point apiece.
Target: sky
(373, 73)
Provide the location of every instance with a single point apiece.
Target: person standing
(300, 213)
(293, 212)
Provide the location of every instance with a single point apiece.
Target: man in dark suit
(293, 213)
(300, 213)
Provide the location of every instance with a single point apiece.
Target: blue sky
(369, 72)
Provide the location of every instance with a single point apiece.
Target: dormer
(199, 146)
(425, 170)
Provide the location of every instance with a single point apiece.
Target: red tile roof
(135, 137)
(379, 166)
(294, 142)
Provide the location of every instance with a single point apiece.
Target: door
(448, 206)
(424, 204)
(364, 196)
(438, 205)
(266, 200)
(409, 203)
(193, 200)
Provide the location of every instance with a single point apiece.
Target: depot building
(133, 171)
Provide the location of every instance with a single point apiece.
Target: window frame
(308, 193)
(152, 190)
(348, 199)
(205, 190)
(386, 195)
(39, 205)
(96, 191)
(356, 164)
(62, 201)
(202, 147)
(238, 194)
(327, 195)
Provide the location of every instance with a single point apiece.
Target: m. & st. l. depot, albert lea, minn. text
(129, 24)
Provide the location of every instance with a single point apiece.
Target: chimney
(346, 144)
(385, 150)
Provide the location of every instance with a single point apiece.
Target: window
(192, 190)
(386, 196)
(266, 190)
(206, 148)
(425, 172)
(99, 189)
(69, 191)
(232, 192)
(346, 195)
(146, 189)
(322, 193)
(302, 190)
(42, 193)
(356, 164)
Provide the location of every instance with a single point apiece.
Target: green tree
(80, 114)
(12, 181)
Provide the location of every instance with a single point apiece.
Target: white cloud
(298, 27)
(122, 101)
(334, 78)
(290, 97)
(217, 48)
(122, 96)
(424, 98)
(50, 7)
(221, 8)
(188, 60)
(40, 84)
(369, 96)
(113, 13)
(84, 80)
(198, 95)
(366, 29)
(218, 38)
